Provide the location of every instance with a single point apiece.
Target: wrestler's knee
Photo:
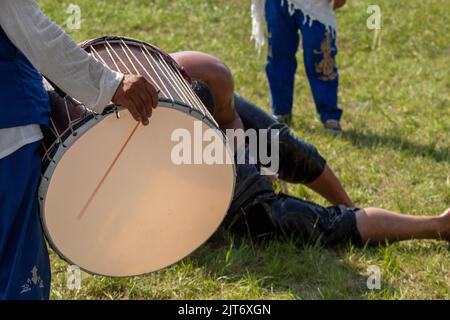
(300, 161)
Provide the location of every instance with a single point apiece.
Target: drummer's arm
(56, 55)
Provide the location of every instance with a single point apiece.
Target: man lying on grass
(257, 210)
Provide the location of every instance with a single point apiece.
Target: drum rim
(114, 39)
(64, 146)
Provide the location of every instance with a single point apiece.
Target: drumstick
(116, 158)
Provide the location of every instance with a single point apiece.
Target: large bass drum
(113, 200)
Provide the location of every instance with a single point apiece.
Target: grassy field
(394, 153)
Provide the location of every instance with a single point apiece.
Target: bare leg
(378, 225)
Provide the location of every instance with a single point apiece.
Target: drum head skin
(148, 212)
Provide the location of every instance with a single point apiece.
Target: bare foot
(446, 225)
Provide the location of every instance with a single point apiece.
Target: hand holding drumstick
(137, 95)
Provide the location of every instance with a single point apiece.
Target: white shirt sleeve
(56, 55)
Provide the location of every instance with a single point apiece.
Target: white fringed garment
(320, 10)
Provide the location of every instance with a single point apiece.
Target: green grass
(394, 153)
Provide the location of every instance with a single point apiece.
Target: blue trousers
(24, 261)
(319, 52)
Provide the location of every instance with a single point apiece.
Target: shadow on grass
(398, 143)
(372, 140)
(286, 269)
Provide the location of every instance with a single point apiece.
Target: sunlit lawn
(394, 153)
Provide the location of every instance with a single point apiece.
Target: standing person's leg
(319, 53)
(24, 261)
(281, 61)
